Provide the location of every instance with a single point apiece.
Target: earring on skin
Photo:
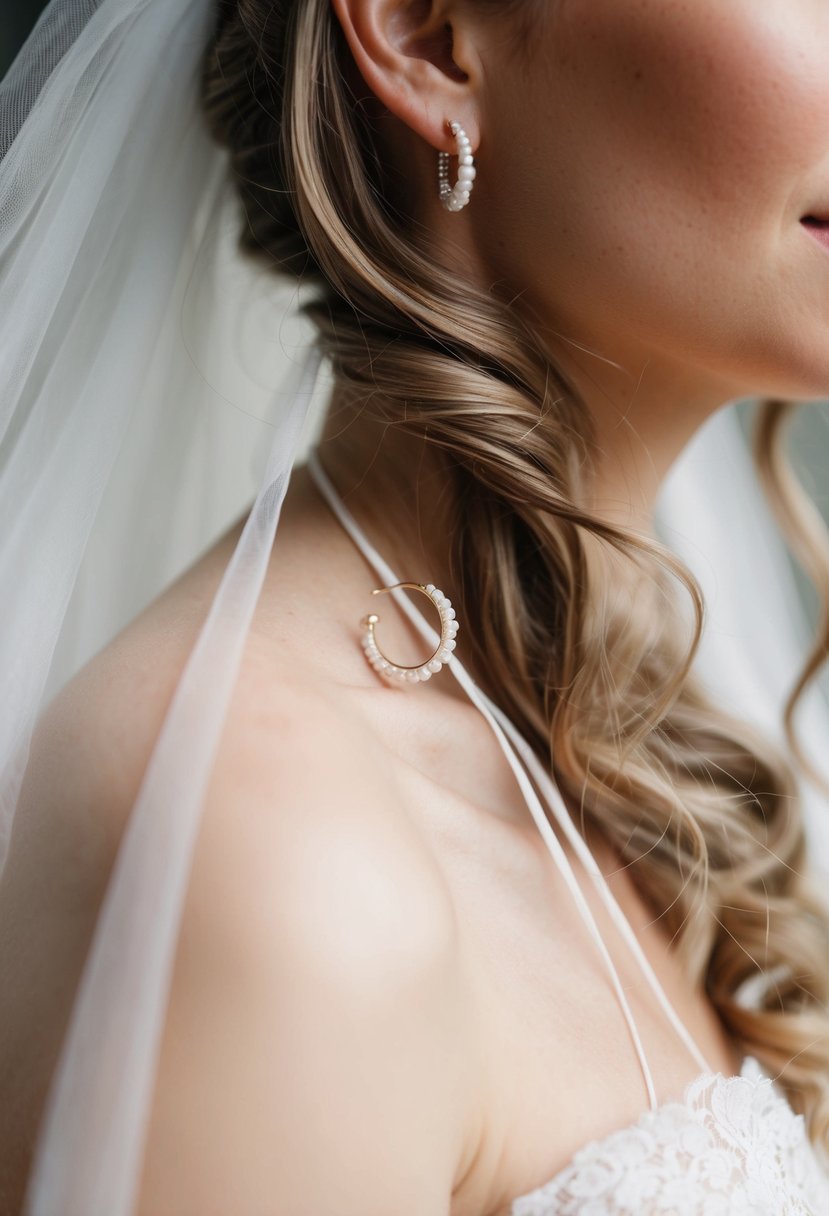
(455, 198)
(419, 671)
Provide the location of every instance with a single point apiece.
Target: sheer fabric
(150, 390)
(155, 385)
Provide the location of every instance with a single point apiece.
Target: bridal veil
(155, 385)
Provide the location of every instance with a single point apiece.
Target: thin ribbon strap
(388, 576)
(553, 797)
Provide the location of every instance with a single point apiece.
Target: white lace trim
(732, 1146)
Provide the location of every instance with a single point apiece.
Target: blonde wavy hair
(573, 625)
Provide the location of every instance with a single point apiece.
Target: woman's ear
(418, 58)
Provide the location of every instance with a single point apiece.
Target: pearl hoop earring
(455, 198)
(419, 671)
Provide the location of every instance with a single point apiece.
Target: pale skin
(384, 999)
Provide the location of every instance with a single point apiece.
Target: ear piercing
(419, 671)
(454, 198)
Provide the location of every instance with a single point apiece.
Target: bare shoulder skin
(313, 1055)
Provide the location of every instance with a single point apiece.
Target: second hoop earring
(455, 198)
(418, 672)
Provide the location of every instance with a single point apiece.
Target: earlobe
(405, 51)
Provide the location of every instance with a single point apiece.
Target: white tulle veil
(154, 386)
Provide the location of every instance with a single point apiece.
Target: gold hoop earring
(419, 671)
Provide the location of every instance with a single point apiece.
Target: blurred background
(16, 19)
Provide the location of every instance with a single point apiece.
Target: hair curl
(574, 625)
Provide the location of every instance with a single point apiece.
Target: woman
(388, 995)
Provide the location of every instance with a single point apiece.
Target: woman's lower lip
(819, 231)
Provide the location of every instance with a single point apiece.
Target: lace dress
(731, 1146)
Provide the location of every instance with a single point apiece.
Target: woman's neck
(399, 489)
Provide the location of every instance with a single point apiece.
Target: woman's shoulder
(318, 949)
